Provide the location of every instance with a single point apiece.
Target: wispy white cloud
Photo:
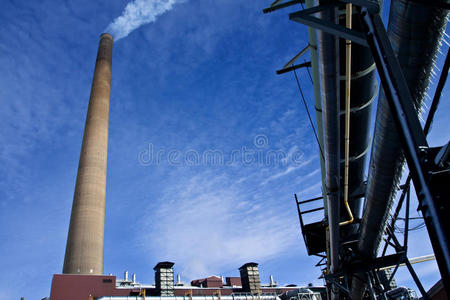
(312, 173)
(315, 188)
(291, 151)
(206, 224)
(287, 115)
(287, 171)
(138, 13)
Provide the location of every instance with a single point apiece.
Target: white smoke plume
(138, 13)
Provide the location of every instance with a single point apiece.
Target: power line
(309, 116)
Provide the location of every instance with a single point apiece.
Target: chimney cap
(106, 35)
(249, 264)
(163, 264)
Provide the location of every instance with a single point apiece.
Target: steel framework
(429, 167)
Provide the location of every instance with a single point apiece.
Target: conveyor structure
(352, 46)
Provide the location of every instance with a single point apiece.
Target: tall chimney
(84, 250)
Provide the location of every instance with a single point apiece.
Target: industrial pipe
(329, 72)
(362, 92)
(415, 260)
(348, 66)
(312, 38)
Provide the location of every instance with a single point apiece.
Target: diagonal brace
(304, 17)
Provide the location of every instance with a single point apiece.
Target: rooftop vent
(250, 278)
(164, 278)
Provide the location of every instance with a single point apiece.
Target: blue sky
(198, 81)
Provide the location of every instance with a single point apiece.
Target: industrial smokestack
(84, 250)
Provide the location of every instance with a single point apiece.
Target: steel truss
(429, 167)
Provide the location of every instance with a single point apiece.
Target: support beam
(304, 17)
(294, 67)
(278, 4)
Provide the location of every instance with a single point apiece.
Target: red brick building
(102, 287)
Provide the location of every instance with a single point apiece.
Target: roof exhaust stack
(272, 283)
(250, 278)
(179, 283)
(164, 278)
(84, 249)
